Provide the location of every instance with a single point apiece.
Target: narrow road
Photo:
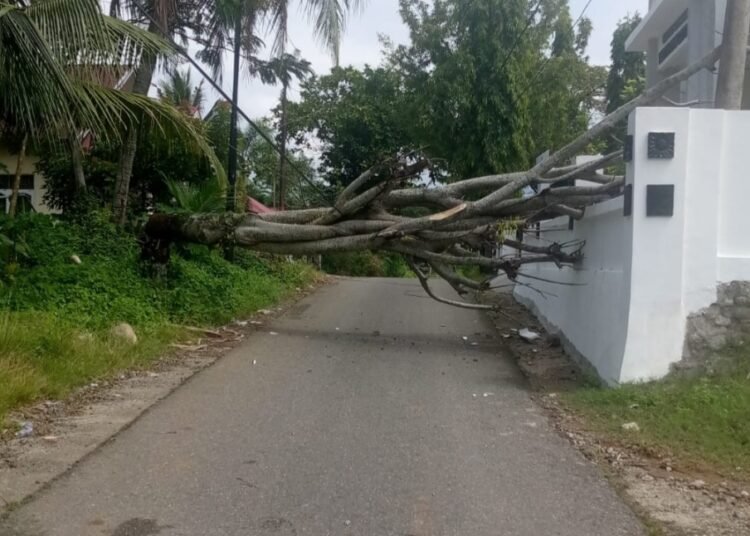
(367, 415)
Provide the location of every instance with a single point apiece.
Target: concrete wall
(644, 276)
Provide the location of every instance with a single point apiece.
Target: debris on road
(528, 335)
(272, 333)
(27, 430)
(189, 347)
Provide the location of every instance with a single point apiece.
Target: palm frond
(202, 198)
(151, 114)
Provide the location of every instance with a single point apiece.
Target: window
(6, 181)
(674, 37)
(670, 47)
(676, 26)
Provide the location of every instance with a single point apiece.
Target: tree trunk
(17, 178)
(731, 81)
(76, 156)
(143, 77)
(284, 133)
(232, 164)
(448, 224)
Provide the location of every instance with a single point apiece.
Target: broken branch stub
(456, 220)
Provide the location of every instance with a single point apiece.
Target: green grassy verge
(703, 422)
(55, 315)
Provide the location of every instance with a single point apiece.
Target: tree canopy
(473, 89)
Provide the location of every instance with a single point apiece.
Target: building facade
(674, 34)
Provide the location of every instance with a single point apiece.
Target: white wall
(642, 276)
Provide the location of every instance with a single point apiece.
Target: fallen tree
(458, 217)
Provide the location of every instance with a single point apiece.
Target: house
(31, 193)
(675, 34)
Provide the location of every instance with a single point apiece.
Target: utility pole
(730, 86)
(232, 164)
(284, 133)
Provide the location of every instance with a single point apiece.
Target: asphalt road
(368, 415)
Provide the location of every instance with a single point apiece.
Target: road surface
(368, 414)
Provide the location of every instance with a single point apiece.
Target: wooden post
(17, 179)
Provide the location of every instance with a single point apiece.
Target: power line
(226, 97)
(516, 42)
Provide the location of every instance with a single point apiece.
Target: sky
(361, 46)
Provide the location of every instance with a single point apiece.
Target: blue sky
(361, 46)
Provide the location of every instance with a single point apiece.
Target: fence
(657, 259)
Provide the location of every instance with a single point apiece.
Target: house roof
(254, 206)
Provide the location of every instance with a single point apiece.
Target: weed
(704, 421)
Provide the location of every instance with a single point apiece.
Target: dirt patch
(66, 431)
(673, 498)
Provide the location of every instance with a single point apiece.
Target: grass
(45, 357)
(703, 422)
(55, 315)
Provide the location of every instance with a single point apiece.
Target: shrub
(55, 315)
(365, 264)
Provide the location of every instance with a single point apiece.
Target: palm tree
(328, 18)
(51, 55)
(179, 91)
(282, 69)
(235, 21)
(165, 18)
(231, 22)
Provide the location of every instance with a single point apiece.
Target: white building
(676, 33)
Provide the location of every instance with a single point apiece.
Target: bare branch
(424, 281)
(446, 226)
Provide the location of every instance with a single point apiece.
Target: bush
(110, 284)
(55, 314)
(366, 264)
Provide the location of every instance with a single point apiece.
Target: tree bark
(451, 224)
(730, 86)
(17, 177)
(284, 133)
(141, 85)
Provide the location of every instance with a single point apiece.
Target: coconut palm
(170, 19)
(231, 22)
(235, 21)
(52, 55)
(328, 18)
(178, 90)
(282, 69)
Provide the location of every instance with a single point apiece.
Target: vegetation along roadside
(72, 282)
